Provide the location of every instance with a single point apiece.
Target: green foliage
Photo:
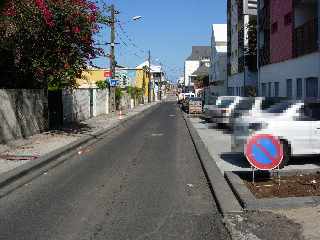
(118, 94)
(101, 84)
(46, 43)
(135, 92)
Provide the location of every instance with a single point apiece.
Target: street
(143, 181)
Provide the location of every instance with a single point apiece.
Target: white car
(295, 123)
(253, 107)
(221, 114)
(210, 111)
(209, 103)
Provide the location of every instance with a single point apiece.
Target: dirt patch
(289, 186)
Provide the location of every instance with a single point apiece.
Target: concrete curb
(25, 169)
(226, 200)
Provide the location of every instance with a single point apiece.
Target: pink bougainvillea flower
(47, 14)
(76, 29)
(10, 10)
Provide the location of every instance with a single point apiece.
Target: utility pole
(112, 42)
(160, 86)
(149, 75)
(112, 98)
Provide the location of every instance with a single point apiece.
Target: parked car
(295, 123)
(209, 102)
(195, 105)
(252, 107)
(185, 104)
(223, 111)
(210, 109)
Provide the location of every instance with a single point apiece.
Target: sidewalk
(21, 151)
(300, 223)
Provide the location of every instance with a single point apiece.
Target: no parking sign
(264, 152)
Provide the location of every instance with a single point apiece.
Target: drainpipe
(258, 47)
(318, 16)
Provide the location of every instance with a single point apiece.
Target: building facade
(157, 81)
(200, 55)
(241, 14)
(289, 57)
(218, 68)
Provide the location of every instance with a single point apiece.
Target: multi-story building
(289, 57)
(200, 55)
(241, 72)
(218, 68)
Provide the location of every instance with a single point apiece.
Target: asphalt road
(143, 181)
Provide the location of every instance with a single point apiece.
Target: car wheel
(286, 154)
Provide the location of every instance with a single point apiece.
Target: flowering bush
(46, 42)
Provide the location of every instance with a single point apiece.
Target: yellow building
(91, 76)
(142, 80)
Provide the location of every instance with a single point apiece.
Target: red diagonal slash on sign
(254, 142)
(266, 152)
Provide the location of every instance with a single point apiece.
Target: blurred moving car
(253, 107)
(295, 123)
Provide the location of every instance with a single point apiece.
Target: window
(313, 110)
(312, 87)
(225, 103)
(280, 107)
(276, 89)
(269, 89)
(274, 27)
(288, 19)
(289, 88)
(299, 88)
(264, 89)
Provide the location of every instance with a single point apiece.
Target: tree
(46, 43)
(251, 49)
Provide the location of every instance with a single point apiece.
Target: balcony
(306, 38)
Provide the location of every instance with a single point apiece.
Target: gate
(55, 109)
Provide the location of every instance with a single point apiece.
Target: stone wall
(22, 113)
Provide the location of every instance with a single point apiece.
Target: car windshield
(279, 107)
(269, 102)
(245, 104)
(225, 103)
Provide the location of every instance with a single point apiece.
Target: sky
(168, 28)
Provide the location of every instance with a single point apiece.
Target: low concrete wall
(79, 105)
(22, 113)
(102, 102)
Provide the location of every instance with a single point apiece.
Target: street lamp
(135, 18)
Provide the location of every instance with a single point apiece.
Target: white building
(218, 69)
(200, 54)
